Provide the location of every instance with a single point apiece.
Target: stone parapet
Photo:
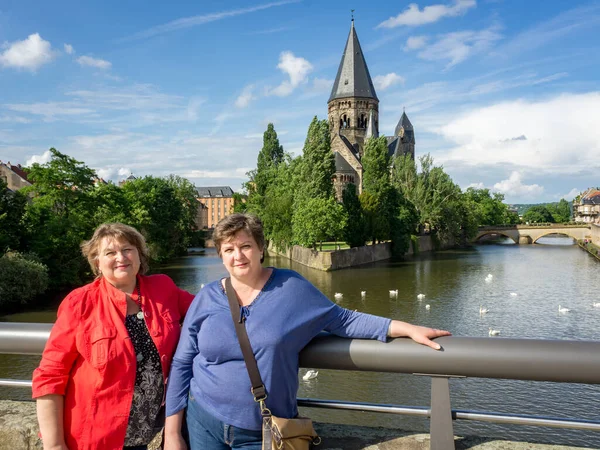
(18, 431)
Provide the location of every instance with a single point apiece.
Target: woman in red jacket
(101, 381)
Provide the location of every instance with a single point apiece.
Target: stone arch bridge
(529, 234)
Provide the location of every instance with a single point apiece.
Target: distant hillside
(521, 208)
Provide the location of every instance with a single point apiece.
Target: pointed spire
(405, 129)
(371, 129)
(353, 78)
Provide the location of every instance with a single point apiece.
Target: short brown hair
(91, 248)
(230, 225)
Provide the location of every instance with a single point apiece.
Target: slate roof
(409, 132)
(214, 191)
(353, 78)
(341, 165)
(592, 197)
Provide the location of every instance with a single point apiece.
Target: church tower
(353, 113)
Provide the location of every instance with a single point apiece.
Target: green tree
(318, 219)
(12, 209)
(561, 211)
(156, 211)
(22, 278)
(269, 158)
(317, 165)
(538, 214)
(240, 204)
(376, 166)
(60, 216)
(279, 204)
(110, 204)
(488, 207)
(354, 232)
(187, 196)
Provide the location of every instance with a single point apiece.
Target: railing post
(440, 428)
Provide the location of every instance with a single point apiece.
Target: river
(542, 277)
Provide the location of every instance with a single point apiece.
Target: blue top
(284, 317)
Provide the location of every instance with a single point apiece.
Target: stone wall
(18, 431)
(342, 259)
(595, 234)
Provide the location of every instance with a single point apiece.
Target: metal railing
(515, 359)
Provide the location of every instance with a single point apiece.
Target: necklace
(140, 314)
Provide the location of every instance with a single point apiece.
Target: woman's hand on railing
(419, 334)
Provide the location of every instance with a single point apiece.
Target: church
(353, 113)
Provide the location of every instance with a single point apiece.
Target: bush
(22, 278)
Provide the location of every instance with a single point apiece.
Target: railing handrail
(519, 359)
(565, 361)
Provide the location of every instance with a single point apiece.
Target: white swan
(513, 294)
(202, 285)
(392, 293)
(338, 295)
(483, 310)
(489, 278)
(562, 309)
(363, 293)
(596, 305)
(421, 296)
(493, 332)
(309, 375)
(427, 307)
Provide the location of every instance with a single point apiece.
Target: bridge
(530, 234)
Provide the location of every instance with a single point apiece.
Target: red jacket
(89, 357)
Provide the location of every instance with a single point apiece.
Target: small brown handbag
(278, 433)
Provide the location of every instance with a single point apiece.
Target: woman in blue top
(282, 312)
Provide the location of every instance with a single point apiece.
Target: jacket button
(147, 314)
(155, 333)
(163, 357)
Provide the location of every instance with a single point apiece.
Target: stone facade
(218, 201)
(13, 176)
(586, 207)
(353, 114)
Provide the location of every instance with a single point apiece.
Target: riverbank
(18, 431)
(357, 256)
(590, 247)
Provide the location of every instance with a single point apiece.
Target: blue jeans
(209, 433)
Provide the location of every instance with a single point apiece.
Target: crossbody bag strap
(258, 388)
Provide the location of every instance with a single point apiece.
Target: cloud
(113, 173)
(39, 159)
(296, 68)
(562, 135)
(69, 50)
(382, 82)
(30, 54)
(476, 186)
(187, 22)
(571, 195)
(458, 46)
(413, 16)
(514, 187)
(14, 119)
(245, 97)
(561, 25)
(94, 62)
(415, 42)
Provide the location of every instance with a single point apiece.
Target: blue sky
(504, 93)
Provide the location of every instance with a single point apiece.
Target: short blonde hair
(119, 231)
(230, 225)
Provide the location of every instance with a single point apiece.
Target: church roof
(403, 123)
(341, 165)
(353, 79)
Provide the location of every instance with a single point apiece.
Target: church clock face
(402, 132)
